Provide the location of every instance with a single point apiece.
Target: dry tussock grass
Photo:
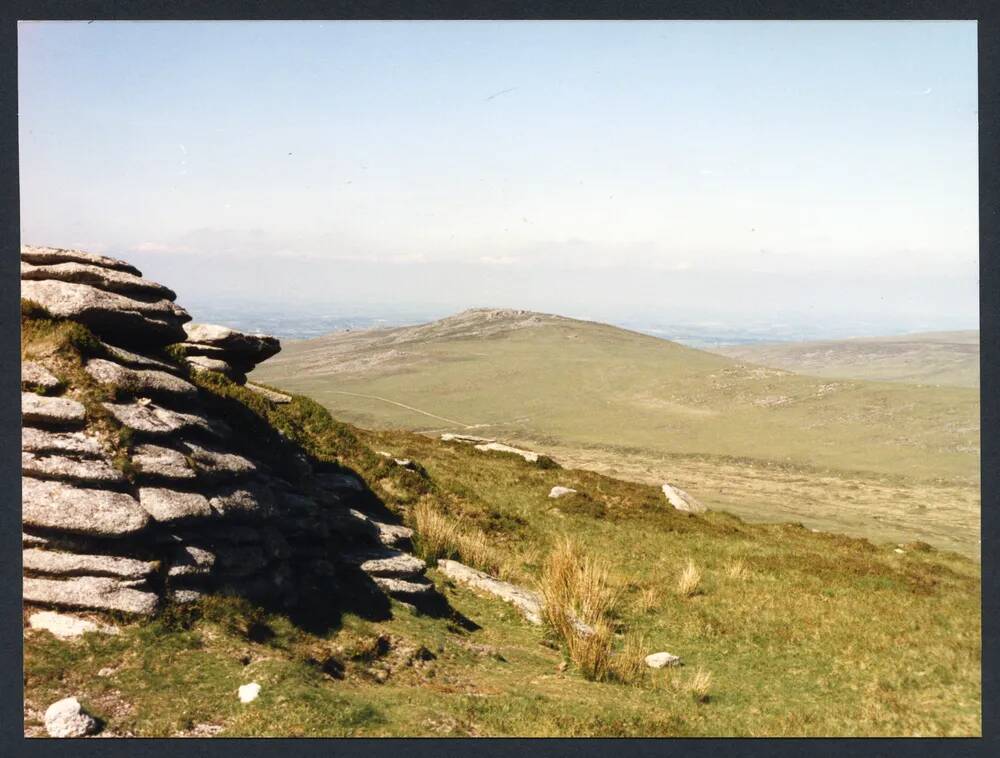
(737, 569)
(440, 537)
(577, 589)
(689, 581)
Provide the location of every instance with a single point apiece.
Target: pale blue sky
(710, 170)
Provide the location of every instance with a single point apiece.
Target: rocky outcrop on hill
(152, 495)
(218, 348)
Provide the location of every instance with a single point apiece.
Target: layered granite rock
(151, 496)
(209, 347)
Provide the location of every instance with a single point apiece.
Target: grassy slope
(941, 358)
(881, 460)
(791, 646)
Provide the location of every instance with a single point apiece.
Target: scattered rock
(469, 438)
(90, 592)
(76, 564)
(66, 718)
(256, 347)
(141, 382)
(65, 626)
(37, 410)
(105, 672)
(681, 500)
(128, 358)
(165, 504)
(249, 692)
(35, 375)
(248, 499)
(558, 491)
(274, 397)
(529, 603)
(57, 505)
(499, 447)
(395, 586)
(204, 363)
(662, 660)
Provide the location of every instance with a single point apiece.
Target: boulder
(662, 660)
(37, 410)
(155, 462)
(681, 500)
(274, 397)
(402, 587)
(120, 319)
(166, 505)
(557, 491)
(75, 564)
(57, 505)
(528, 602)
(65, 626)
(86, 471)
(141, 382)
(385, 562)
(393, 535)
(45, 442)
(499, 447)
(99, 593)
(109, 279)
(256, 347)
(203, 363)
(47, 256)
(248, 692)
(36, 376)
(66, 718)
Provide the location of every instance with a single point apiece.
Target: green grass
(818, 635)
(885, 461)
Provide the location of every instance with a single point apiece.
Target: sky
(716, 172)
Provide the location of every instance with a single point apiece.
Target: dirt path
(407, 407)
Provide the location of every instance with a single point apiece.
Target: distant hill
(945, 358)
(880, 459)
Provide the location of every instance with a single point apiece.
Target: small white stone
(249, 692)
(65, 626)
(559, 491)
(65, 718)
(899, 550)
(105, 672)
(662, 660)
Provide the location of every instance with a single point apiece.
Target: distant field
(938, 358)
(884, 460)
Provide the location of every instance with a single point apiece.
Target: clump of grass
(576, 590)
(689, 581)
(440, 537)
(738, 569)
(649, 599)
(699, 685)
(629, 665)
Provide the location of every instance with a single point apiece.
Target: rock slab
(66, 718)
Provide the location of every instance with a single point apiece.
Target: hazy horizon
(817, 175)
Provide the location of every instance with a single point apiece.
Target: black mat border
(12, 742)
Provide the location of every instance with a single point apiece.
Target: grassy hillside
(936, 358)
(777, 634)
(886, 461)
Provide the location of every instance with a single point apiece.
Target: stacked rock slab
(230, 352)
(195, 512)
